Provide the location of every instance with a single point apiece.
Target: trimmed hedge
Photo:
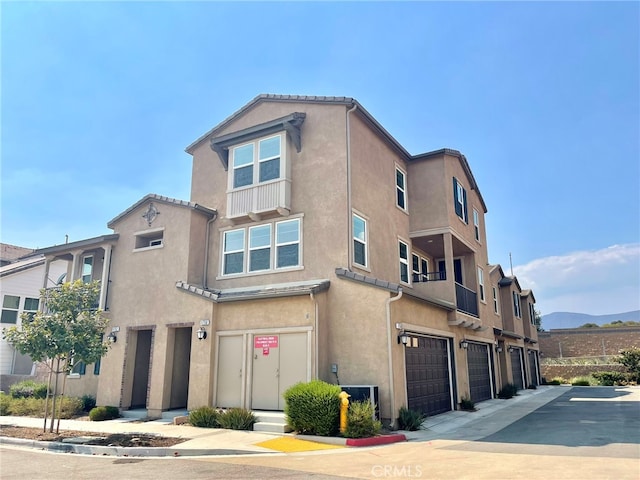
(98, 414)
(313, 408)
(28, 389)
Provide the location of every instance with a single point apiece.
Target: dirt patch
(112, 440)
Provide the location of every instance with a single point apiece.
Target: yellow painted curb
(290, 444)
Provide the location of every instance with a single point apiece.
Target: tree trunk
(46, 401)
(55, 394)
(64, 384)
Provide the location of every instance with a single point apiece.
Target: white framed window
(360, 253)
(532, 314)
(256, 162)
(87, 268)
(516, 304)
(415, 267)
(233, 252)
(460, 200)
(403, 254)
(260, 248)
(10, 307)
(269, 244)
(401, 189)
(424, 266)
(31, 306)
(481, 284)
(495, 300)
(288, 243)
(476, 224)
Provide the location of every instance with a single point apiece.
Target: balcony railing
(429, 277)
(259, 198)
(466, 300)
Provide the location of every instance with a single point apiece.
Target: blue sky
(99, 101)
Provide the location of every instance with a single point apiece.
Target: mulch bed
(112, 440)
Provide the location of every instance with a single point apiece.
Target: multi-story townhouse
(313, 246)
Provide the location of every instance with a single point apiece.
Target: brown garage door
(516, 368)
(479, 373)
(532, 367)
(428, 382)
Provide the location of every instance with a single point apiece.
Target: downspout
(316, 340)
(388, 302)
(349, 213)
(206, 250)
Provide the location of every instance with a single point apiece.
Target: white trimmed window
(256, 162)
(415, 267)
(10, 307)
(516, 304)
(360, 254)
(403, 253)
(401, 189)
(476, 224)
(31, 306)
(87, 268)
(460, 200)
(481, 284)
(269, 244)
(495, 300)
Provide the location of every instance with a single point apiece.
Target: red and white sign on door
(265, 342)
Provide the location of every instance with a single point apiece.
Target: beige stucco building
(313, 246)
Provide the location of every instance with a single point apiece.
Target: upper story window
(256, 162)
(481, 284)
(476, 224)
(10, 306)
(359, 240)
(401, 189)
(31, 306)
(516, 304)
(419, 268)
(149, 239)
(495, 301)
(532, 314)
(403, 253)
(460, 200)
(87, 268)
(270, 246)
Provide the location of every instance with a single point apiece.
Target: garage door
(428, 379)
(479, 373)
(516, 368)
(532, 367)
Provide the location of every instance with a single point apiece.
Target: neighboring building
(20, 282)
(313, 246)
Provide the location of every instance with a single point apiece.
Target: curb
(356, 442)
(60, 447)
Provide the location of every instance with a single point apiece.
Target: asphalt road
(583, 433)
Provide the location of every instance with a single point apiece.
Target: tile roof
(258, 292)
(167, 200)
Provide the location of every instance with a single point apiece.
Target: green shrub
(360, 421)
(410, 419)
(5, 403)
(581, 381)
(205, 417)
(630, 358)
(28, 389)
(557, 381)
(88, 402)
(467, 404)
(237, 419)
(508, 391)
(611, 378)
(27, 407)
(70, 407)
(98, 414)
(313, 408)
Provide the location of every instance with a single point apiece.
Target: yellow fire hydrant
(344, 406)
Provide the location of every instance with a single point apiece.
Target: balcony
(260, 199)
(466, 300)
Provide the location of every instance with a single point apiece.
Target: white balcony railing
(261, 198)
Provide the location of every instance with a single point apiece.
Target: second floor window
(481, 284)
(87, 269)
(516, 304)
(256, 162)
(476, 224)
(495, 300)
(271, 244)
(10, 306)
(359, 240)
(403, 252)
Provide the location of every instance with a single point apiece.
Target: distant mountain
(558, 320)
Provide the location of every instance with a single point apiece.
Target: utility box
(364, 392)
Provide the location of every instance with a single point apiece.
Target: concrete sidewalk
(490, 416)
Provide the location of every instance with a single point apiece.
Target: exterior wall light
(202, 333)
(403, 338)
(112, 337)
(499, 349)
(464, 344)
(511, 349)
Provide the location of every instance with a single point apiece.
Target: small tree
(630, 358)
(537, 320)
(67, 329)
